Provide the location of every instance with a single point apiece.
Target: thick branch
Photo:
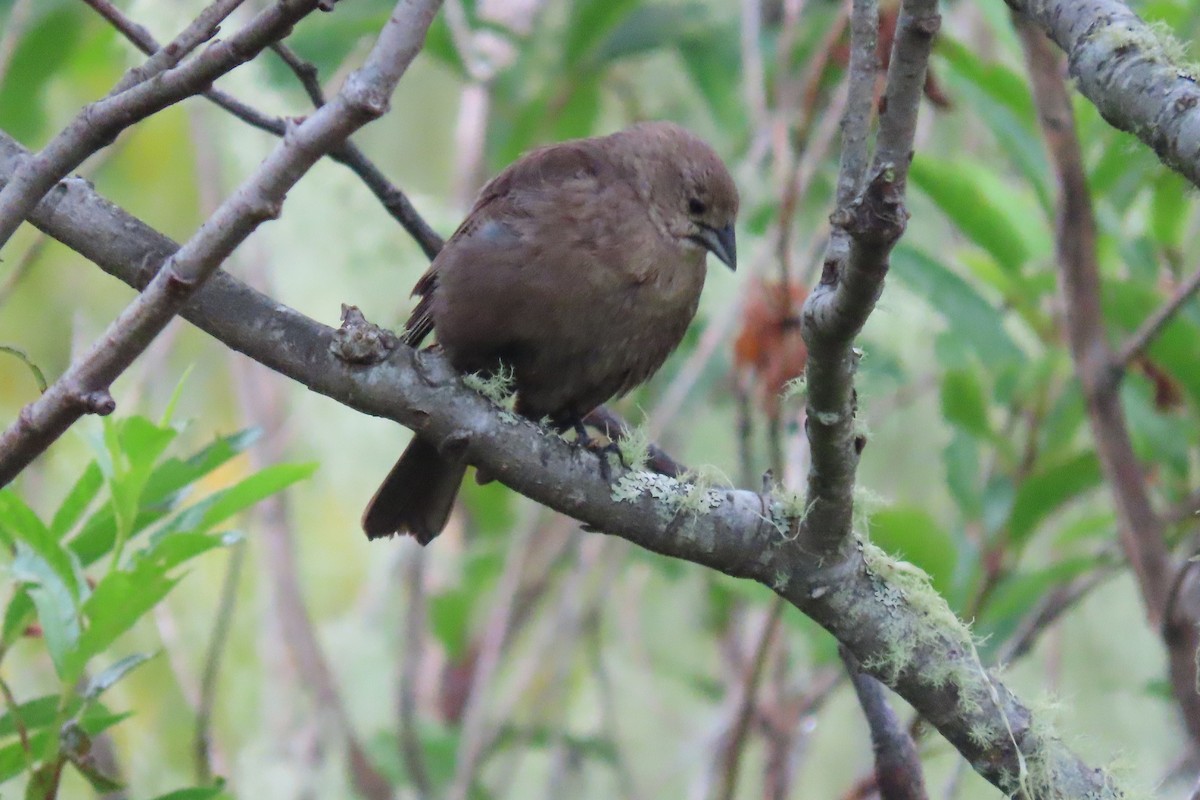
(364, 97)
(1141, 530)
(852, 281)
(1124, 67)
(98, 123)
(394, 201)
(883, 623)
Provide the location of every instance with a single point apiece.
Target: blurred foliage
(618, 668)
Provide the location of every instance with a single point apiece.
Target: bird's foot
(588, 442)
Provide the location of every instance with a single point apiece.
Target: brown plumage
(579, 267)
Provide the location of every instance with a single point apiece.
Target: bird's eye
(697, 206)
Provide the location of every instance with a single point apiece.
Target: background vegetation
(519, 655)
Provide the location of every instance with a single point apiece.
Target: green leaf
(957, 188)
(1170, 208)
(961, 458)
(223, 504)
(196, 793)
(964, 404)
(969, 316)
(119, 600)
(1047, 490)
(77, 500)
(713, 62)
(38, 376)
(51, 583)
(651, 27)
(21, 526)
(33, 715)
(103, 681)
(589, 24)
(37, 60)
(17, 616)
(13, 759)
(916, 537)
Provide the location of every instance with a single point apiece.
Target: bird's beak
(721, 243)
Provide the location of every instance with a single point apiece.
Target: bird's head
(691, 190)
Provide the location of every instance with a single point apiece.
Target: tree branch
(898, 774)
(1141, 530)
(1125, 69)
(904, 634)
(394, 201)
(850, 285)
(84, 386)
(97, 124)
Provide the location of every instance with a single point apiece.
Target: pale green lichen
(693, 497)
(795, 388)
(496, 386)
(634, 446)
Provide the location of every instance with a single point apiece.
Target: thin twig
(394, 201)
(305, 72)
(84, 386)
(413, 579)
(201, 29)
(1149, 330)
(472, 744)
(98, 123)
(735, 744)
(212, 661)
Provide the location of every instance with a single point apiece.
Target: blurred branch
(850, 285)
(1141, 530)
(473, 737)
(131, 101)
(410, 662)
(1123, 66)
(83, 388)
(394, 201)
(212, 661)
(864, 608)
(898, 774)
(1149, 330)
(735, 743)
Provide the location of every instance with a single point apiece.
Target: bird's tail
(416, 496)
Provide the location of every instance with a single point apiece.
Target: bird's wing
(501, 200)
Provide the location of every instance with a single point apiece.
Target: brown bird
(579, 268)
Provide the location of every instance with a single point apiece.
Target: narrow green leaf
(17, 615)
(589, 23)
(77, 500)
(222, 505)
(104, 680)
(196, 793)
(119, 600)
(956, 188)
(38, 376)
